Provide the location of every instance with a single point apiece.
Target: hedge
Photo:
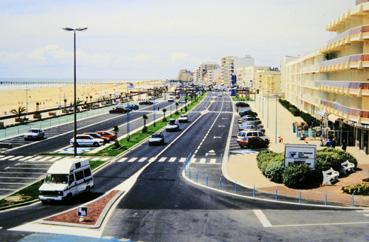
(310, 120)
(358, 189)
(275, 168)
(299, 176)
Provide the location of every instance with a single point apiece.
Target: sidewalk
(243, 169)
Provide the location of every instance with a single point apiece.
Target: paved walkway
(242, 168)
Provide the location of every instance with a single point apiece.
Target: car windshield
(156, 136)
(172, 122)
(95, 135)
(34, 131)
(57, 178)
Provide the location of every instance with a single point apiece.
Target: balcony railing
(345, 62)
(345, 87)
(345, 110)
(348, 33)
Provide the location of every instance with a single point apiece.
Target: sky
(147, 39)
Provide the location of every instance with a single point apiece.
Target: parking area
(20, 171)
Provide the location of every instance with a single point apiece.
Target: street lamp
(75, 88)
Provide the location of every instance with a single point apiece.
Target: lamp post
(75, 88)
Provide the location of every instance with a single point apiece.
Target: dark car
(156, 139)
(120, 109)
(146, 102)
(248, 112)
(242, 105)
(132, 106)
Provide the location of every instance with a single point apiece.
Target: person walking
(334, 142)
(344, 145)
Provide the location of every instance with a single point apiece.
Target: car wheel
(96, 144)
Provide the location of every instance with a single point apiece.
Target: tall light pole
(75, 88)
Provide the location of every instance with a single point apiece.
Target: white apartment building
(213, 76)
(230, 64)
(246, 76)
(202, 70)
(185, 75)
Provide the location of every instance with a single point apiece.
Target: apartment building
(213, 77)
(246, 76)
(202, 70)
(230, 64)
(185, 75)
(267, 81)
(332, 84)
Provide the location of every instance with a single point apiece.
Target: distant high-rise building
(230, 64)
(185, 75)
(202, 70)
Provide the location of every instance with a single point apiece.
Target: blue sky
(145, 39)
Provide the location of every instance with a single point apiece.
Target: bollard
(300, 198)
(207, 180)
(326, 198)
(254, 191)
(276, 193)
(353, 199)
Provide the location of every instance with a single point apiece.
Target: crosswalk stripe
(182, 160)
(142, 159)
(203, 160)
(123, 159)
(152, 159)
(45, 158)
(8, 157)
(133, 159)
(172, 159)
(16, 158)
(1, 156)
(213, 161)
(26, 158)
(37, 158)
(194, 160)
(162, 159)
(56, 158)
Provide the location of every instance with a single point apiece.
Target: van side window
(71, 179)
(79, 175)
(87, 172)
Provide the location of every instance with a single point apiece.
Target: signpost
(81, 213)
(300, 154)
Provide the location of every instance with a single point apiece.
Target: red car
(110, 136)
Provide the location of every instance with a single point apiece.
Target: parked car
(87, 140)
(98, 136)
(172, 126)
(248, 112)
(108, 135)
(247, 127)
(183, 118)
(146, 102)
(34, 134)
(247, 118)
(157, 139)
(65, 179)
(171, 99)
(132, 106)
(120, 109)
(252, 122)
(242, 105)
(252, 139)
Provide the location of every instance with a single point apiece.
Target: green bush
(294, 111)
(298, 176)
(326, 160)
(275, 168)
(264, 157)
(344, 156)
(357, 189)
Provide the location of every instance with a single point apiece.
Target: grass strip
(30, 193)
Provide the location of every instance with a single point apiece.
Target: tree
(19, 112)
(177, 107)
(144, 117)
(164, 111)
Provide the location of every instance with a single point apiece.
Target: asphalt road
(162, 206)
(59, 136)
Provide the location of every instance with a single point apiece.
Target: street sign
(82, 211)
(300, 154)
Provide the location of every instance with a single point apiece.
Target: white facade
(185, 75)
(230, 64)
(200, 74)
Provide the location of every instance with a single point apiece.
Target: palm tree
(19, 112)
(164, 111)
(144, 117)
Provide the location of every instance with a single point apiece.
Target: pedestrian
(280, 139)
(306, 139)
(344, 145)
(334, 142)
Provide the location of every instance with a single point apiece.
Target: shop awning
(333, 118)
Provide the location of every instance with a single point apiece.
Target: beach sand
(53, 96)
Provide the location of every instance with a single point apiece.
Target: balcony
(311, 69)
(346, 62)
(356, 34)
(351, 114)
(345, 88)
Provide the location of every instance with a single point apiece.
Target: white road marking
(122, 160)
(152, 159)
(172, 159)
(6, 189)
(7, 157)
(26, 158)
(213, 161)
(45, 158)
(16, 158)
(217, 137)
(221, 126)
(36, 158)
(182, 160)
(56, 158)
(262, 218)
(13, 183)
(15, 172)
(203, 160)
(1, 156)
(142, 159)
(194, 160)
(18, 178)
(162, 159)
(133, 159)
(26, 168)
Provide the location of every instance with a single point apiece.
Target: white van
(66, 178)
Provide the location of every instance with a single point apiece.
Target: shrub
(298, 176)
(325, 160)
(275, 168)
(357, 189)
(344, 156)
(264, 157)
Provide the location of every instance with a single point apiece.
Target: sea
(28, 83)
